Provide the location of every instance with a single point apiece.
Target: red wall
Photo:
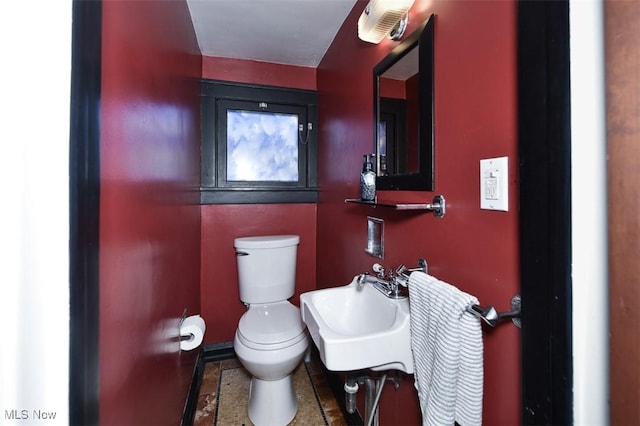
(475, 118)
(220, 301)
(255, 72)
(149, 214)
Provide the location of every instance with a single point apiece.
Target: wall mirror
(403, 113)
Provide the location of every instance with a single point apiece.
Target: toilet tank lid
(267, 241)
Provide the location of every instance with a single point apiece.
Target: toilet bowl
(271, 356)
(271, 338)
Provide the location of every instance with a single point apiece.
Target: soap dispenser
(368, 179)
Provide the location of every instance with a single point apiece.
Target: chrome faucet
(394, 283)
(366, 279)
(391, 284)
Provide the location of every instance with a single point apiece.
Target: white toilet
(271, 339)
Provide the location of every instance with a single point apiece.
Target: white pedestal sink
(358, 327)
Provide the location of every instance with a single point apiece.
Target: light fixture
(383, 18)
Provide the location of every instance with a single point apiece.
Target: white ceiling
(293, 32)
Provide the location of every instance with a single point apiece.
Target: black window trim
(213, 189)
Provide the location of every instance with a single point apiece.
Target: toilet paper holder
(191, 332)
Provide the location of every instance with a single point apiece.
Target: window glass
(262, 146)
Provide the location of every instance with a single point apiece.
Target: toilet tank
(266, 267)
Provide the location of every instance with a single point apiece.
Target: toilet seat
(271, 326)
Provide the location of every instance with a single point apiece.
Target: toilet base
(272, 402)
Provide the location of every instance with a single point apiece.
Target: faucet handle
(379, 269)
(402, 280)
(401, 269)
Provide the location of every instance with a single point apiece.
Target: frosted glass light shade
(379, 18)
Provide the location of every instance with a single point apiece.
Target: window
(261, 146)
(258, 144)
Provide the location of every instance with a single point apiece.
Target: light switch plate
(494, 189)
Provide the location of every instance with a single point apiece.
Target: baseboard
(207, 353)
(190, 405)
(217, 351)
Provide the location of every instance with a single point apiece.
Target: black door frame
(84, 212)
(544, 133)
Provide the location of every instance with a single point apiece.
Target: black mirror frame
(423, 37)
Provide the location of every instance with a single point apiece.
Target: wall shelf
(437, 206)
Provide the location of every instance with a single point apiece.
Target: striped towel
(447, 352)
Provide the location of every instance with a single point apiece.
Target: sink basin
(358, 327)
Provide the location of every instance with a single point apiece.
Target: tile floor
(224, 391)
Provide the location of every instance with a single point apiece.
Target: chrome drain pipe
(373, 390)
(350, 390)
